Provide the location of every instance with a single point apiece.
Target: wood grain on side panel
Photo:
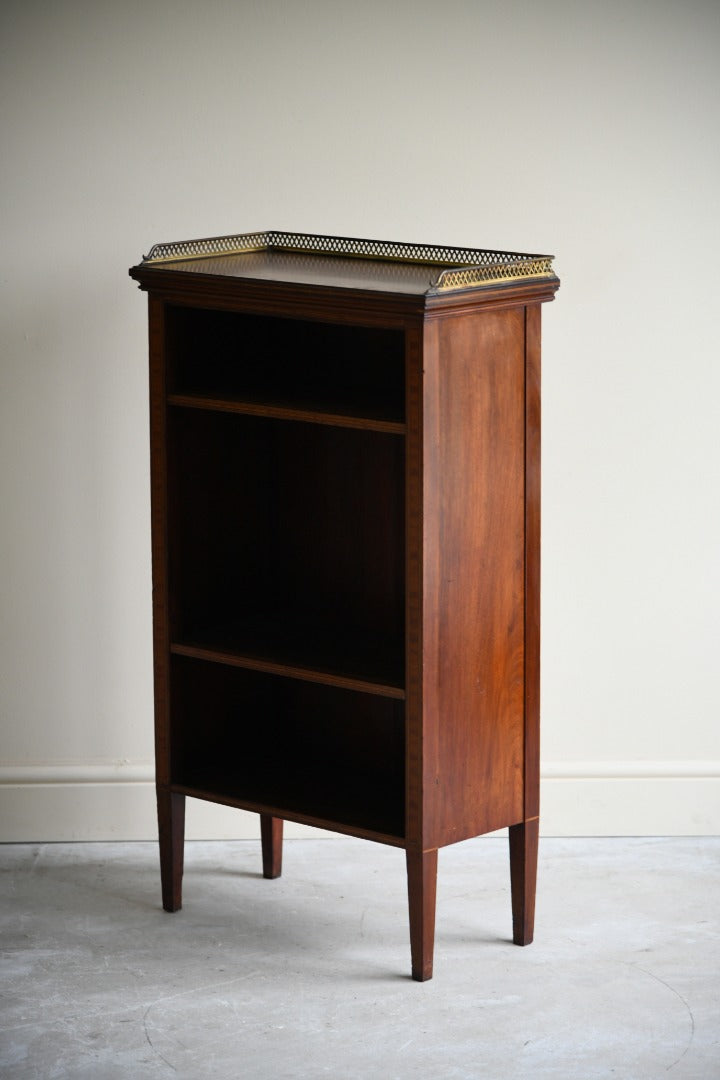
(532, 563)
(473, 593)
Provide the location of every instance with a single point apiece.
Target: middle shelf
(287, 549)
(283, 643)
(333, 414)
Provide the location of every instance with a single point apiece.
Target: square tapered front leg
(171, 828)
(523, 878)
(422, 888)
(271, 834)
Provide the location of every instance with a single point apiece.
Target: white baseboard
(44, 803)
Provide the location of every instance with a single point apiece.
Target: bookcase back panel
(289, 536)
(284, 744)
(294, 362)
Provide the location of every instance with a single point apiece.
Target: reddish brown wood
(256, 663)
(317, 821)
(171, 827)
(277, 412)
(473, 698)
(422, 888)
(366, 308)
(523, 877)
(271, 833)
(524, 836)
(346, 566)
(532, 562)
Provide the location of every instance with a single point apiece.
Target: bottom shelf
(319, 754)
(328, 819)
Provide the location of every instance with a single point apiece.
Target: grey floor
(308, 976)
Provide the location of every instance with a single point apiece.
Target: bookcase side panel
(473, 573)
(532, 560)
(414, 513)
(159, 524)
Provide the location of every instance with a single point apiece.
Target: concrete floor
(308, 976)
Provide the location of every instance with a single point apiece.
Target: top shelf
(286, 368)
(345, 262)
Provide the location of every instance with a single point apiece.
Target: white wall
(585, 129)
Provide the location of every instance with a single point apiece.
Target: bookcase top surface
(344, 262)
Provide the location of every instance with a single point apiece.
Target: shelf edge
(280, 412)
(288, 671)
(255, 807)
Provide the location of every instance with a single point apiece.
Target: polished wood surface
(345, 478)
(356, 307)
(523, 876)
(473, 587)
(171, 828)
(532, 563)
(323, 270)
(271, 835)
(350, 263)
(422, 888)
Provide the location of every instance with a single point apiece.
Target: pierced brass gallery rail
(465, 268)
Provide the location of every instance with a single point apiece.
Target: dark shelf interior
(291, 363)
(291, 640)
(331, 754)
(287, 543)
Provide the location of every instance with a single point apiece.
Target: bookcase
(345, 454)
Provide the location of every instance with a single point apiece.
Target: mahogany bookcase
(345, 447)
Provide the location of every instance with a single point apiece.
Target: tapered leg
(422, 886)
(171, 823)
(523, 877)
(271, 835)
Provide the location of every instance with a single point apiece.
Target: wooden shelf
(293, 644)
(381, 821)
(287, 554)
(307, 672)
(289, 369)
(330, 752)
(339, 417)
